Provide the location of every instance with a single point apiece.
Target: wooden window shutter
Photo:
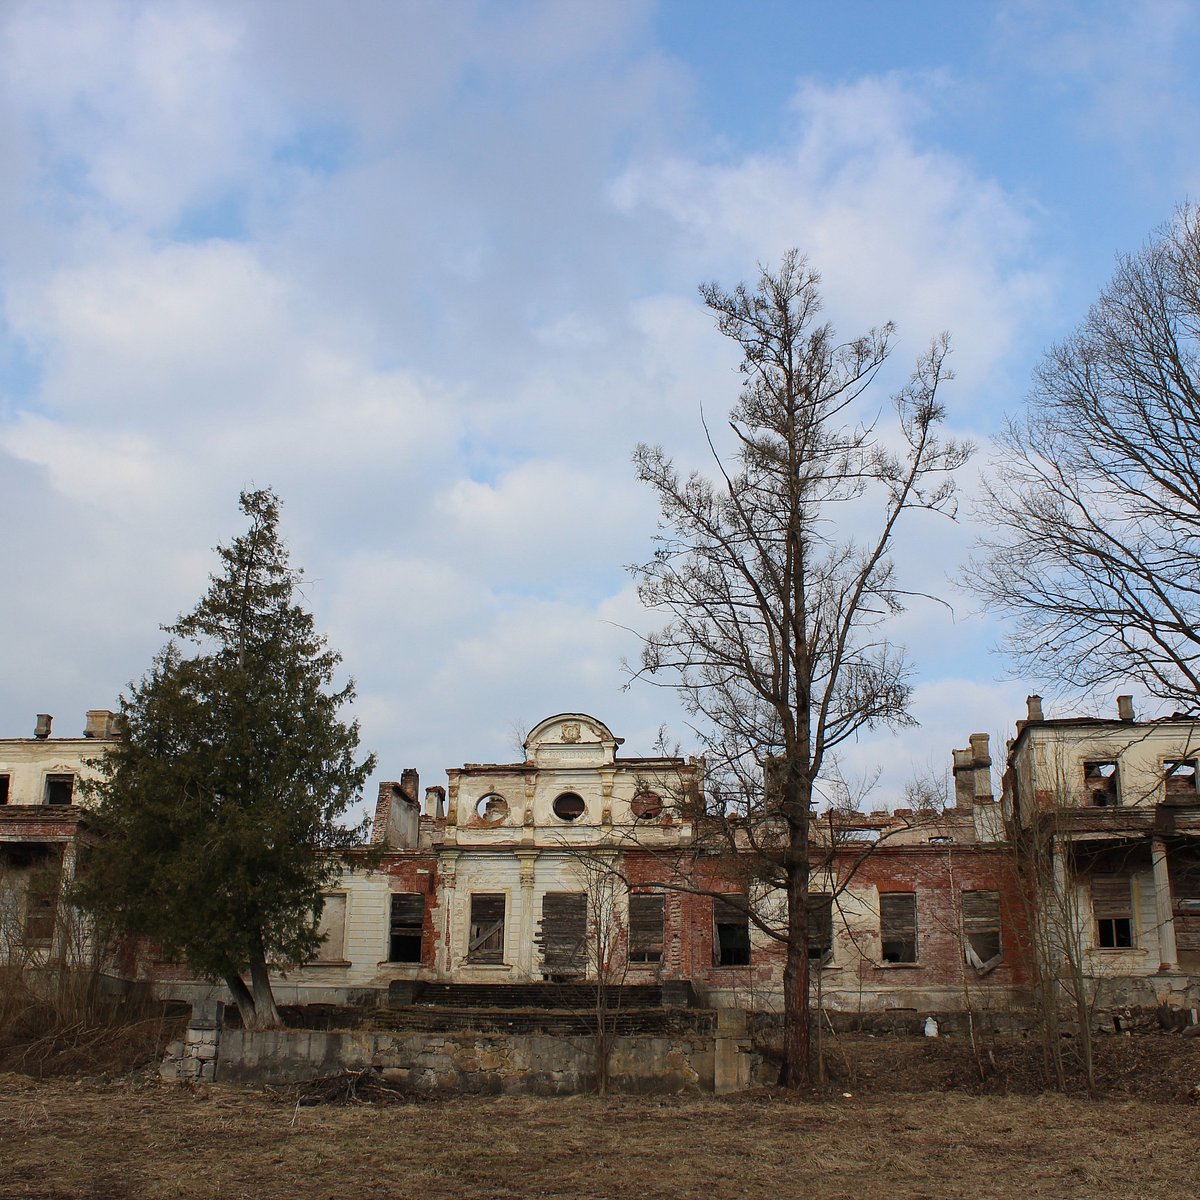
(981, 911)
(820, 925)
(898, 926)
(645, 929)
(563, 936)
(1111, 897)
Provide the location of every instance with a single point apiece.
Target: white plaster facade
(1122, 799)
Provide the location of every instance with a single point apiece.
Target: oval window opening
(492, 808)
(647, 806)
(568, 807)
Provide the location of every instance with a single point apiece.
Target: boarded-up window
(1185, 894)
(1102, 783)
(406, 926)
(332, 930)
(820, 926)
(731, 932)
(1113, 910)
(981, 929)
(60, 788)
(898, 927)
(563, 934)
(485, 939)
(645, 929)
(39, 917)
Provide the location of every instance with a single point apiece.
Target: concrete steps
(560, 1022)
(568, 997)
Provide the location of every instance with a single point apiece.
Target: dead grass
(63, 1140)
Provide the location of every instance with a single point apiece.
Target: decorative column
(447, 879)
(1168, 957)
(527, 860)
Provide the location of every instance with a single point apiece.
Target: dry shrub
(54, 1016)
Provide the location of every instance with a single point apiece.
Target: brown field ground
(913, 1125)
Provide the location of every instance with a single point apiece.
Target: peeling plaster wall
(28, 761)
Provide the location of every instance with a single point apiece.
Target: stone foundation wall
(491, 1062)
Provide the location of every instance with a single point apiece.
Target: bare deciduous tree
(775, 637)
(1095, 507)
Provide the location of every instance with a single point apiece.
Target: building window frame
(1113, 912)
(58, 790)
(731, 931)
(487, 923)
(406, 927)
(899, 942)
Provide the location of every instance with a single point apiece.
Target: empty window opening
(898, 927)
(820, 926)
(1179, 776)
(568, 807)
(492, 808)
(731, 932)
(981, 929)
(4, 789)
(645, 929)
(60, 788)
(331, 929)
(485, 939)
(647, 806)
(1101, 783)
(406, 926)
(563, 933)
(1113, 911)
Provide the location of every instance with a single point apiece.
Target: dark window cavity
(60, 789)
(731, 932)
(568, 807)
(1101, 780)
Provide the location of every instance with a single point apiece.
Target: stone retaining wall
(492, 1062)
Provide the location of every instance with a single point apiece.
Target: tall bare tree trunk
(797, 1067)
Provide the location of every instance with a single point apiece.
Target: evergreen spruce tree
(219, 808)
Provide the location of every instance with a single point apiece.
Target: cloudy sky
(429, 270)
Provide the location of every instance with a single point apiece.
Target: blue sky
(430, 271)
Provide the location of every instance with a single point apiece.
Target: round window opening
(647, 806)
(492, 808)
(568, 807)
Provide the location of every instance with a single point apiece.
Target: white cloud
(429, 271)
(897, 230)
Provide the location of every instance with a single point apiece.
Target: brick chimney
(973, 772)
(435, 802)
(398, 811)
(101, 724)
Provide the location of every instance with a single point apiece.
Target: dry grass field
(65, 1139)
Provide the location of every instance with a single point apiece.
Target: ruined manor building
(580, 863)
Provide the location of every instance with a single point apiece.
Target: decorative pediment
(571, 739)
